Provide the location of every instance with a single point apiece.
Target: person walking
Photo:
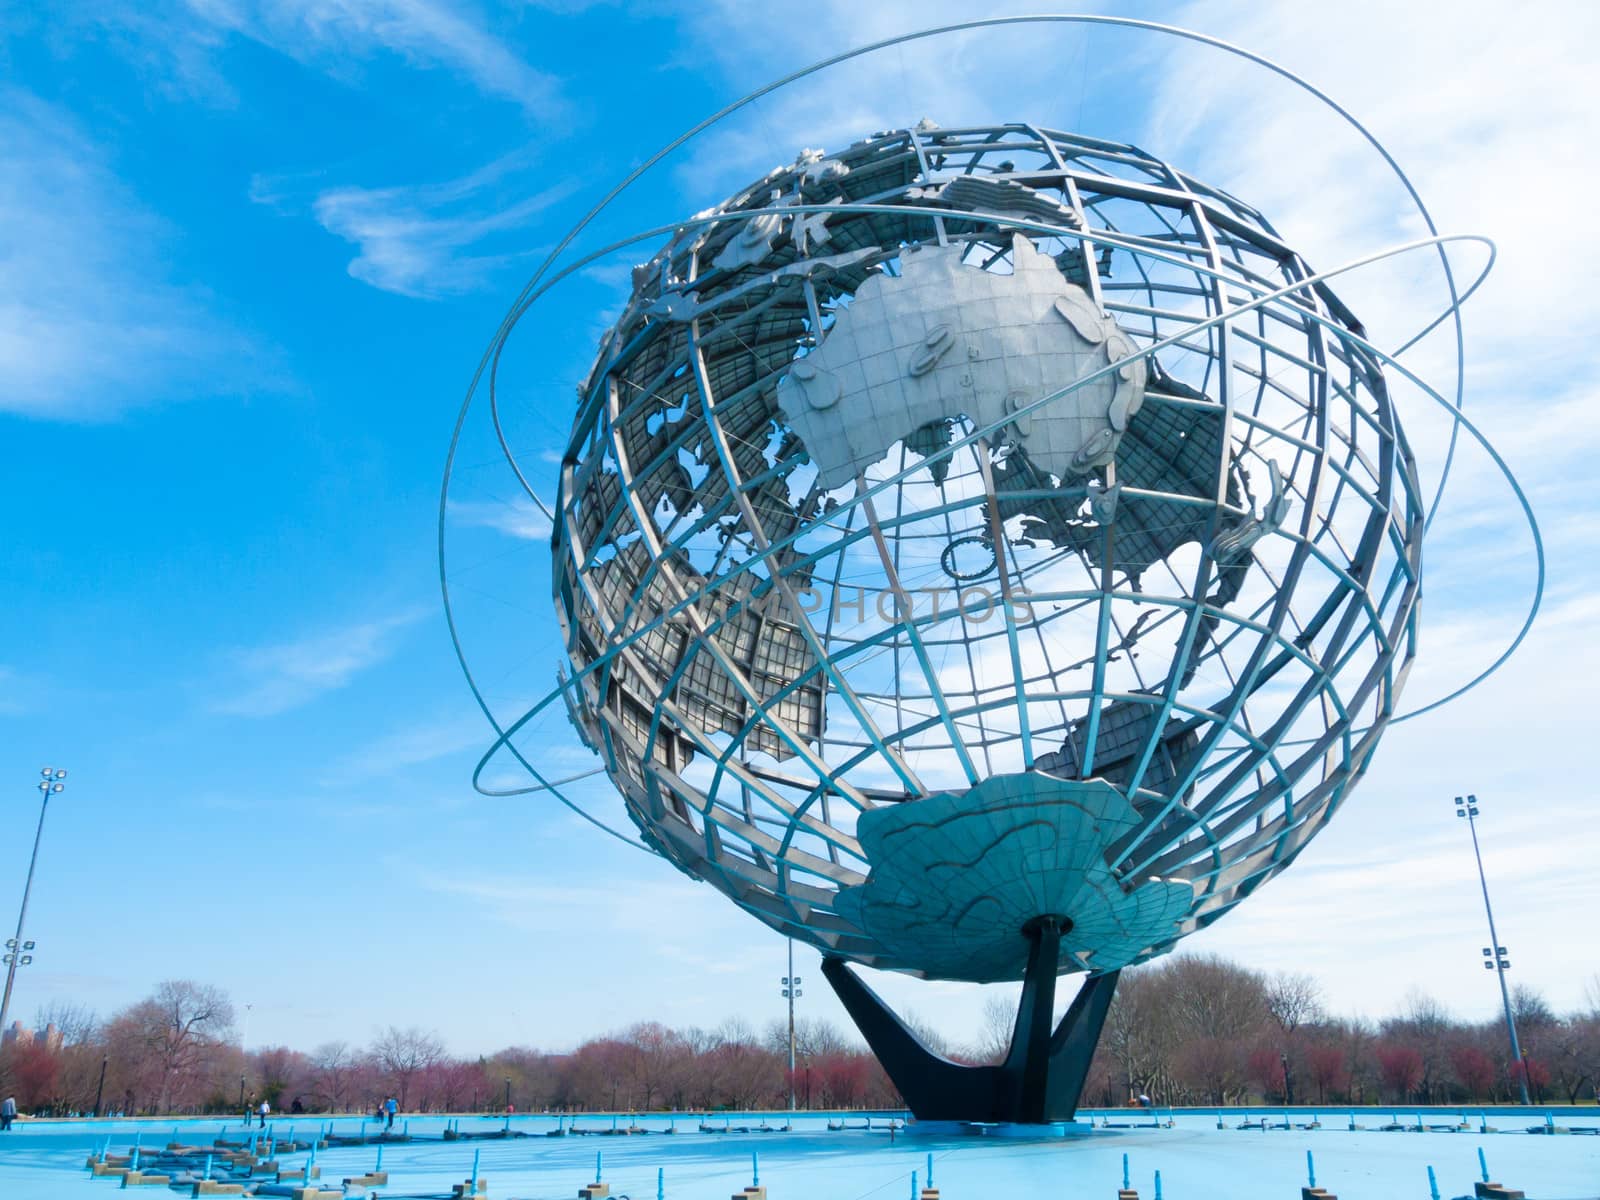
(262, 1112)
(389, 1110)
(8, 1112)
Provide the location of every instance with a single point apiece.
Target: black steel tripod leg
(933, 1087)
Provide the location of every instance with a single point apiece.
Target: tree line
(1199, 1030)
(1185, 1030)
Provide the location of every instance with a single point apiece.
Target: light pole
(791, 993)
(16, 949)
(1494, 954)
(100, 1091)
(244, 1055)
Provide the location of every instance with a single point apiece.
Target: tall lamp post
(1494, 954)
(16, 949)
(100, 1091)
(791, 993)
(244, 1055)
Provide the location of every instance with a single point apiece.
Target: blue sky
(249, 256)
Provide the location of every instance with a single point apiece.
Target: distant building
(16, 1035)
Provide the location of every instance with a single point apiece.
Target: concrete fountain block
(145, 1179)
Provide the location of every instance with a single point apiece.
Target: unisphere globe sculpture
(988, 554)
(936, 606)
(984, 553)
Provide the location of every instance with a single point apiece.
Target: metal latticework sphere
(924, 484)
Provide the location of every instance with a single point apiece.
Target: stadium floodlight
(50, 784)
(1494, 956)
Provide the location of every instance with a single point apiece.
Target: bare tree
(925, 1033)
(331, 1067)
(1217, 1065)
(1214, 999)
(656, 1062)
(1425, 1026)
(1140, 1035)
(535, 1075)
(1568, 1050)
(403, 1054)
(994, 1035)
(164, 1047)
(77, 1023)
(745, 1070)
(177, 1027)
(283, 1073)
(1530, 1008)
(813, 1038)
(78, 1054)
(1293, 999)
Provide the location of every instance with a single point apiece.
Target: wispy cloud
(406, 245)
(1484, 126)
(280, 677)
(519, 518)
(426, 33)
(412, 746)
(430, 240)
(951, 80)
(1470, 117)
(92, 323)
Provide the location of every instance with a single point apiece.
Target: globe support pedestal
(1043, 1074)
